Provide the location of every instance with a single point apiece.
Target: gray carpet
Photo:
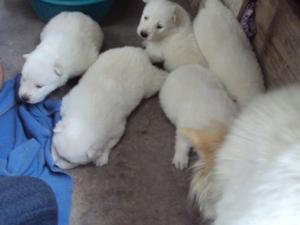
(139, 185)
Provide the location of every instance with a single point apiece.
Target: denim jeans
(26, 201)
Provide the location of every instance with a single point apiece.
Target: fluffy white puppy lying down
(193, 97)
(70, 43)
(94, 113)
(168, 33)
(255, 179)
(228, 51)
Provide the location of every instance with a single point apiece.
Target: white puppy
(228, 51)
(193, 97)
(256, 175)
(94, 112)
(167, 30)
(70, 43)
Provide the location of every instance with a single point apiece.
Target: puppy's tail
(204, 188)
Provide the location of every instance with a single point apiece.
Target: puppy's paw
(180, 161)
(92, 153)
(102, 160)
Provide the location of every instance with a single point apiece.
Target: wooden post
(277, 42)
(236, 6)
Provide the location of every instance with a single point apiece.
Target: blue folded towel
(25, 144)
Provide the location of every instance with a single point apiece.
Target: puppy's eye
(146, 17)
(159, 26)
(39, 86)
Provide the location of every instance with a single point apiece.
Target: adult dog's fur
(70, 43)
(207, 143)
(94, 113)
(256, 176)
(228, 51)
(193, 97)
(167, 30)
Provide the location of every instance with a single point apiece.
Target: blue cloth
(25, 144)
(26, 200)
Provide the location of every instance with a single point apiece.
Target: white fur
(204, 191)
(259, 166)
(256, 179)
(94, 113)
(175, 43)
(70, 43)
(193, 97)
(228, 51)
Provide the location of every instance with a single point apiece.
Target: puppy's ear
(1, 76)
(25, 56)
(58, 69)
(59, 128)
(175, 14)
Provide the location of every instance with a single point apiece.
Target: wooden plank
(265, 16)
(236, 6)
(277, 42)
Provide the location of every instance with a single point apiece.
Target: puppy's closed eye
(159, 26)
(39, 86)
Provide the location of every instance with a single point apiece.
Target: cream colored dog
(193, 97)
(70, 43)
(167, 30)
(228, 51)
(254, 177)
(94, 113)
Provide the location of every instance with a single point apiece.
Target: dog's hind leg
(103, 156)
(182, 149)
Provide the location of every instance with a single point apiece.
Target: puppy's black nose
(144, 34)
(24, 98)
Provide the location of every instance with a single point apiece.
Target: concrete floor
(139, 185)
